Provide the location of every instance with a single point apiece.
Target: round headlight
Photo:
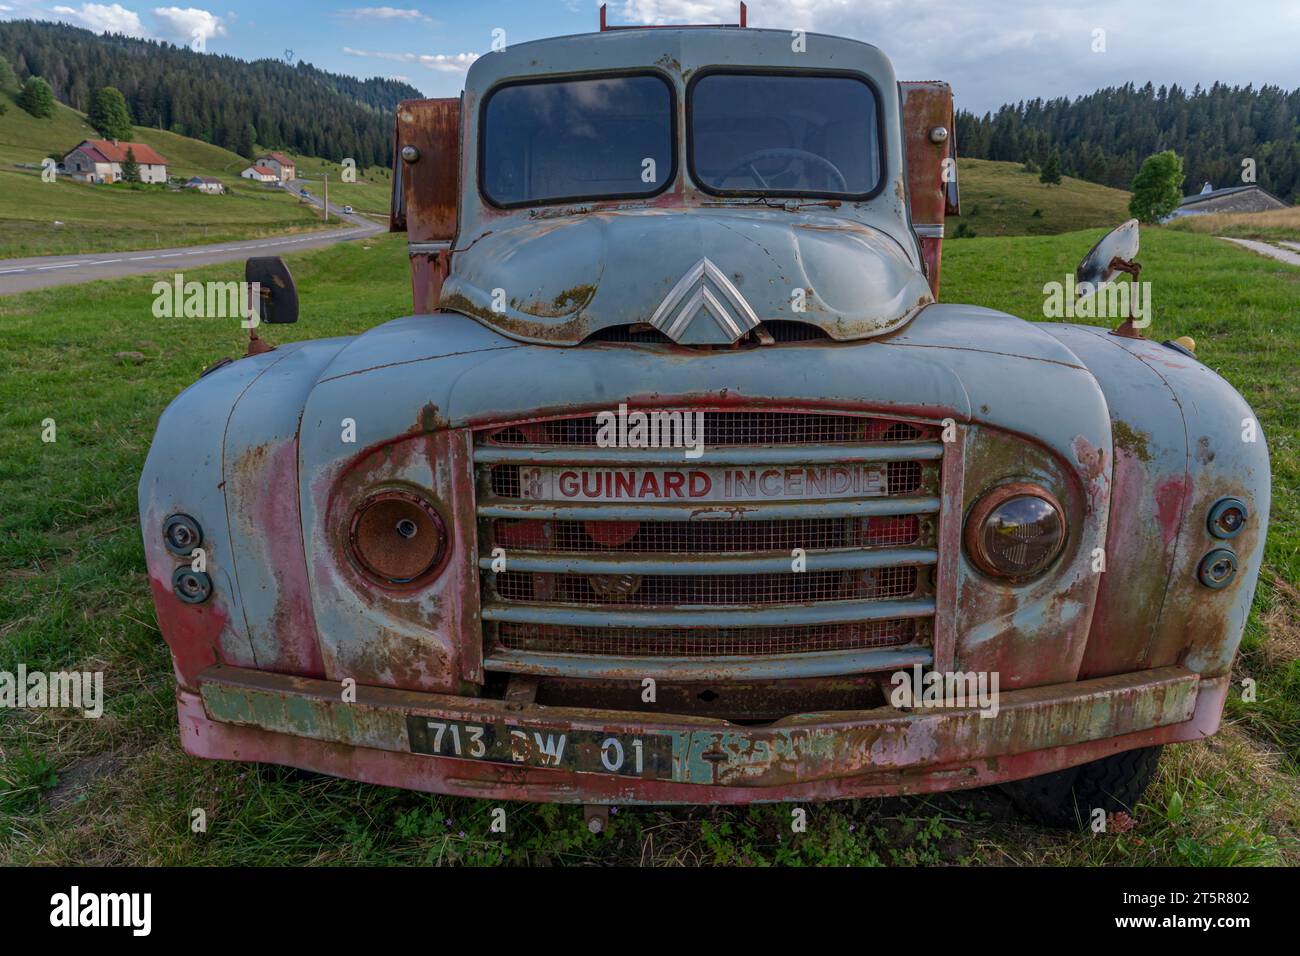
(397, 537)
(1015, 531)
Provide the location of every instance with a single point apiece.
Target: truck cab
(680, 485)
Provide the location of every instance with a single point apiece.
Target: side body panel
(1182, 441)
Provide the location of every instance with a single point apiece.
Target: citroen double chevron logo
(704, 308)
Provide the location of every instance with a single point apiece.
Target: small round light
(1227, 517)
(192, 587)
(1015, 531)
(1217, 569)
(181, 535)
(397, 537)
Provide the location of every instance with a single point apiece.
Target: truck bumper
(562, 754)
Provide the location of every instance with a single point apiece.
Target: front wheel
(1067, 798)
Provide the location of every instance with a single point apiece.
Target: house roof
(110, 151)
(1226, 191)
(95, 155)
(262, 170)
(280, 158)
(204, 179)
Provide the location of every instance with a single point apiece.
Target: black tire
(1067, 798)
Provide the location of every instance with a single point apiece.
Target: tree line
(218, 99)
(1104, 136)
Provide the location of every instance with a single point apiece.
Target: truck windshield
(784, 135)
(577, 139)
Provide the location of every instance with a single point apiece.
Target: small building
(261, 174)
(206, 184)
(1232, 199)
(101, 161)
(284, 166)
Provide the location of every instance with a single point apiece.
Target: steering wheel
(746, 165)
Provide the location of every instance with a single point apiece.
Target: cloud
(103, 18)
(189, 24)
(380, 13)
(439, 62)
(994, 53)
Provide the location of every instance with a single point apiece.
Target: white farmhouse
(260, 173)
(283, 166)
(101, 161)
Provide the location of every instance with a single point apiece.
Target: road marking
(5, 272)
(68, 265)
(138, 258)
(101, 262)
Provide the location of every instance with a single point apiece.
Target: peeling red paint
(1170, 496)
(294, 621)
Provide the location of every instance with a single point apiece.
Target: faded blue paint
(570, 271)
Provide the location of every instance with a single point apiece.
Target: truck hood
(702, 277)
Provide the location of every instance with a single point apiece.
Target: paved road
(1273, 252)
(20, 275)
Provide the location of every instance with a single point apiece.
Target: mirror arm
(1133, 269)
(257, 345)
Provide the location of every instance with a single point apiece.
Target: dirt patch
(76, 779)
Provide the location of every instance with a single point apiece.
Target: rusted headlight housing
(1015, 531)
(397, 538)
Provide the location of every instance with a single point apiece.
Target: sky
(991, 51)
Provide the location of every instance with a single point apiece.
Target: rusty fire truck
(471, 593)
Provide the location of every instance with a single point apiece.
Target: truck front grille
(706, 642)
(788, 585)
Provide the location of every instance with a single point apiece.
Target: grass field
(73, 594)
(1001, 199)
(1272, 225)
(117, 218)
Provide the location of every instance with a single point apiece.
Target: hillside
(117, 217)
(1001, 199)
(1104, 137)
(217, 99)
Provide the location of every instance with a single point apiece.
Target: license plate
(588, 751)
(546, 483)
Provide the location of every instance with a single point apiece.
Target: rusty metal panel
(183, 475)
(1179, 447)
(260, 459)
(927, 107)
(710, 752)
(430, 176)
(928, 140)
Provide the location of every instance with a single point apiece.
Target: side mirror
(277, 295)
(1114, 253)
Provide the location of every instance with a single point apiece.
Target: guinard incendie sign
(701, 484)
